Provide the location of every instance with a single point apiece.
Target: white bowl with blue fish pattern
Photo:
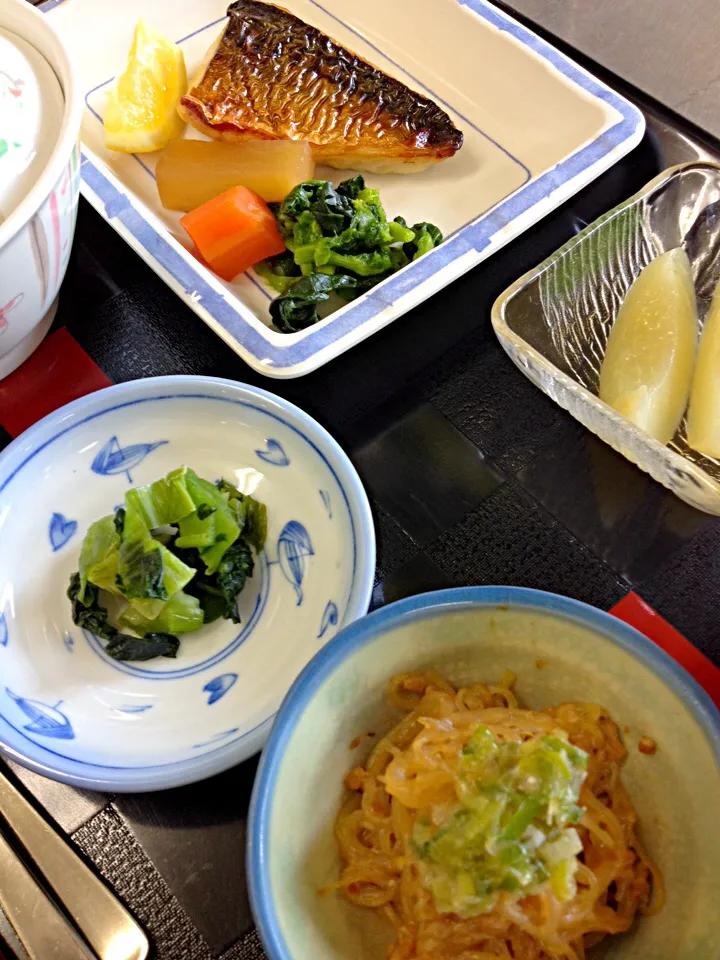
(69, 711)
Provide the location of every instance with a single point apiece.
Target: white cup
(37, 232)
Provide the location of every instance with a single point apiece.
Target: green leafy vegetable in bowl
(174, 557)
(339, 241)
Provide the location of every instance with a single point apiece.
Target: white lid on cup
(31, 115)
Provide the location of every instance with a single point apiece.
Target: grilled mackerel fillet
(271, 76)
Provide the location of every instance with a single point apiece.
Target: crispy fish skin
(272, 76)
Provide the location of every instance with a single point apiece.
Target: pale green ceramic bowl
(474, 634)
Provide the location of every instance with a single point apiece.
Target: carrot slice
(234, 231)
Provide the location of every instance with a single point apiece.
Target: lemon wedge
(141, 112)
(648, 365)
(703, 422)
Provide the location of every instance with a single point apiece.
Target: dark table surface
(474, 475)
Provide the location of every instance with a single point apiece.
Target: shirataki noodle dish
(485, 831)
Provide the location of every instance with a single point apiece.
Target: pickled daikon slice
(703, 422)
(191, 172)
(648, 365)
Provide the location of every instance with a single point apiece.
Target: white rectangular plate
(537, 128)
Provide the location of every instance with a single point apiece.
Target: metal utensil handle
(104, 921)
(41, 928)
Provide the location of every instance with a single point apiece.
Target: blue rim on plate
(297, 354)
(160, 776)
(365, 631)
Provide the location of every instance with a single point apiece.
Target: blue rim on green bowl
(362, 633)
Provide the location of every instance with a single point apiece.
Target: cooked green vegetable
(217, 595)
(297, 309)
(250, 514)
(339, 240)
(124, 647)
(119, 520)
(163, 502)
(90, 615)
(513, 828)
(99, 556)
(176, 555)
(181, 614)
(426, 237)
(86, 609)
(215, 531)
(141, 570)
(280, 271)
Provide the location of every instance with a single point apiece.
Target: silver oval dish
(555, 320)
